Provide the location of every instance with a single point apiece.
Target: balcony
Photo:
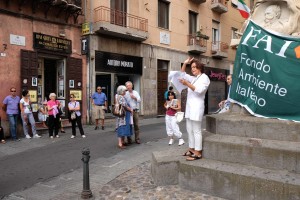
(198, 1)
(120, 24)
(219, 50)
(219, 6)
(196, 44)
(59, 8)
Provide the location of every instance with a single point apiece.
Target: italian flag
(242, 7)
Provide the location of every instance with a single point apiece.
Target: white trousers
(195, 135)
(172, 127)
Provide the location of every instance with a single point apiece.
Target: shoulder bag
(119, 110)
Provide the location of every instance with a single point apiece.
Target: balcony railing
(196, 44)
(219, 49)
(223, 2)
(193, 40)
(104, 14)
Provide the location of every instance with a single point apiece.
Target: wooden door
(73, 73)
(29, 70)
(162, 86)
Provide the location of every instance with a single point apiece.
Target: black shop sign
(118, 63)
(51, 43)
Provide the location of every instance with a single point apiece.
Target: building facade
(42, 40)
(142, 41)
(72, 46)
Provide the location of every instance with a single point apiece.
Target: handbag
(60, 112)
(119, 110)
(179, 116)
(73, 115)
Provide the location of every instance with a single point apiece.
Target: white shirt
(26, 105)
(194, 109)
(134, 104)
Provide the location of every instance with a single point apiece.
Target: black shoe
(129, 140)
(63, 131)
(138, 141)
(96, 127)
(102, 127)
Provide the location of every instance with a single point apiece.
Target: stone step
(223, 179)
(253, 127)
(269, 154)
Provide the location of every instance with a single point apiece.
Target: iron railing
(223, 2)
(193, 40)
(219, 46)
(120, 18)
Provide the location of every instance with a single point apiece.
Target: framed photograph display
(39, 90)
(34, 81)
(77, 94)
(34, 107)
(71, 83)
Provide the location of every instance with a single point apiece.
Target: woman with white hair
(53, 124)
(124, 123)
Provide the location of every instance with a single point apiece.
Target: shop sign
(118, 63)
(85, 28)
(219, 76)
(216, 74)
(17, 40)
(84, 46)
(47, 42)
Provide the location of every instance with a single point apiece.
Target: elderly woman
(27, 116)
(124, 123)
(53, 105)
(197, 87)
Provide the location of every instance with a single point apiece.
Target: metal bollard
(86, 192)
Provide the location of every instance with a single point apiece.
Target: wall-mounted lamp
(79, 84)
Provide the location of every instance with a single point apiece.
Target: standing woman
(27, 116)
(124, 123)
(74, 107)
(53, 124)
(197, 87)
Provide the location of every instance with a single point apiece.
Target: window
(163, 14)
(60, 79)
(118, 14)
(233, 33)
(192, 22)
(215, 32)
(162, 65)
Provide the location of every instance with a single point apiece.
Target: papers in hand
(174, 77)
(173, 103)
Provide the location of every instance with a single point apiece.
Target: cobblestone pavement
(137, 183)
